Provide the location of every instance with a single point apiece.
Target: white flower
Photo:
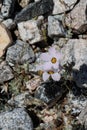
(51, 73)
(51, 59)
(50, 65)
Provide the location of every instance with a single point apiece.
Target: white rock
(77, 17)
(29, 31)
(60, 6)
(75, 51)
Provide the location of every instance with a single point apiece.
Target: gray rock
(50, 91)
(75, 51)
(83, 117)
(60, 6)
(7, 8)
(55, 28)
(9, 23)
(78, 16)
(29, 31)
(18, 100)
(15, 120)
(20, 53)
(5, 73)
(34, 9)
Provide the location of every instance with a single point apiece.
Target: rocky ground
(27, 29)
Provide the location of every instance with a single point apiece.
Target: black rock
(51, 91)
(34, 9)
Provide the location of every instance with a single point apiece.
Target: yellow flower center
(53, 60)
(50, 72)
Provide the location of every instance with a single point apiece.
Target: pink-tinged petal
(45, 76)
(47, 66)
(45, 56)
(58, 56)
(52, 50)
(55, 66)
(56, 76)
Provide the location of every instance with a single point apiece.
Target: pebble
(5, 73)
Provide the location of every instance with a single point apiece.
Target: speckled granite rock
(15, 120)
(75, 51)
(19, 53)
(34, 9)
(5, 72)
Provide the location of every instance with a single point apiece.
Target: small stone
(7, 8)
(50, 91)
(5, 73)
(34, 9)
(9, 23)
(5, 38)
(75, 53)
(29, 31)
(19, 53)
(55, 28)
(77, 17)
(18, 101)
(15, 120)
(61, 6)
